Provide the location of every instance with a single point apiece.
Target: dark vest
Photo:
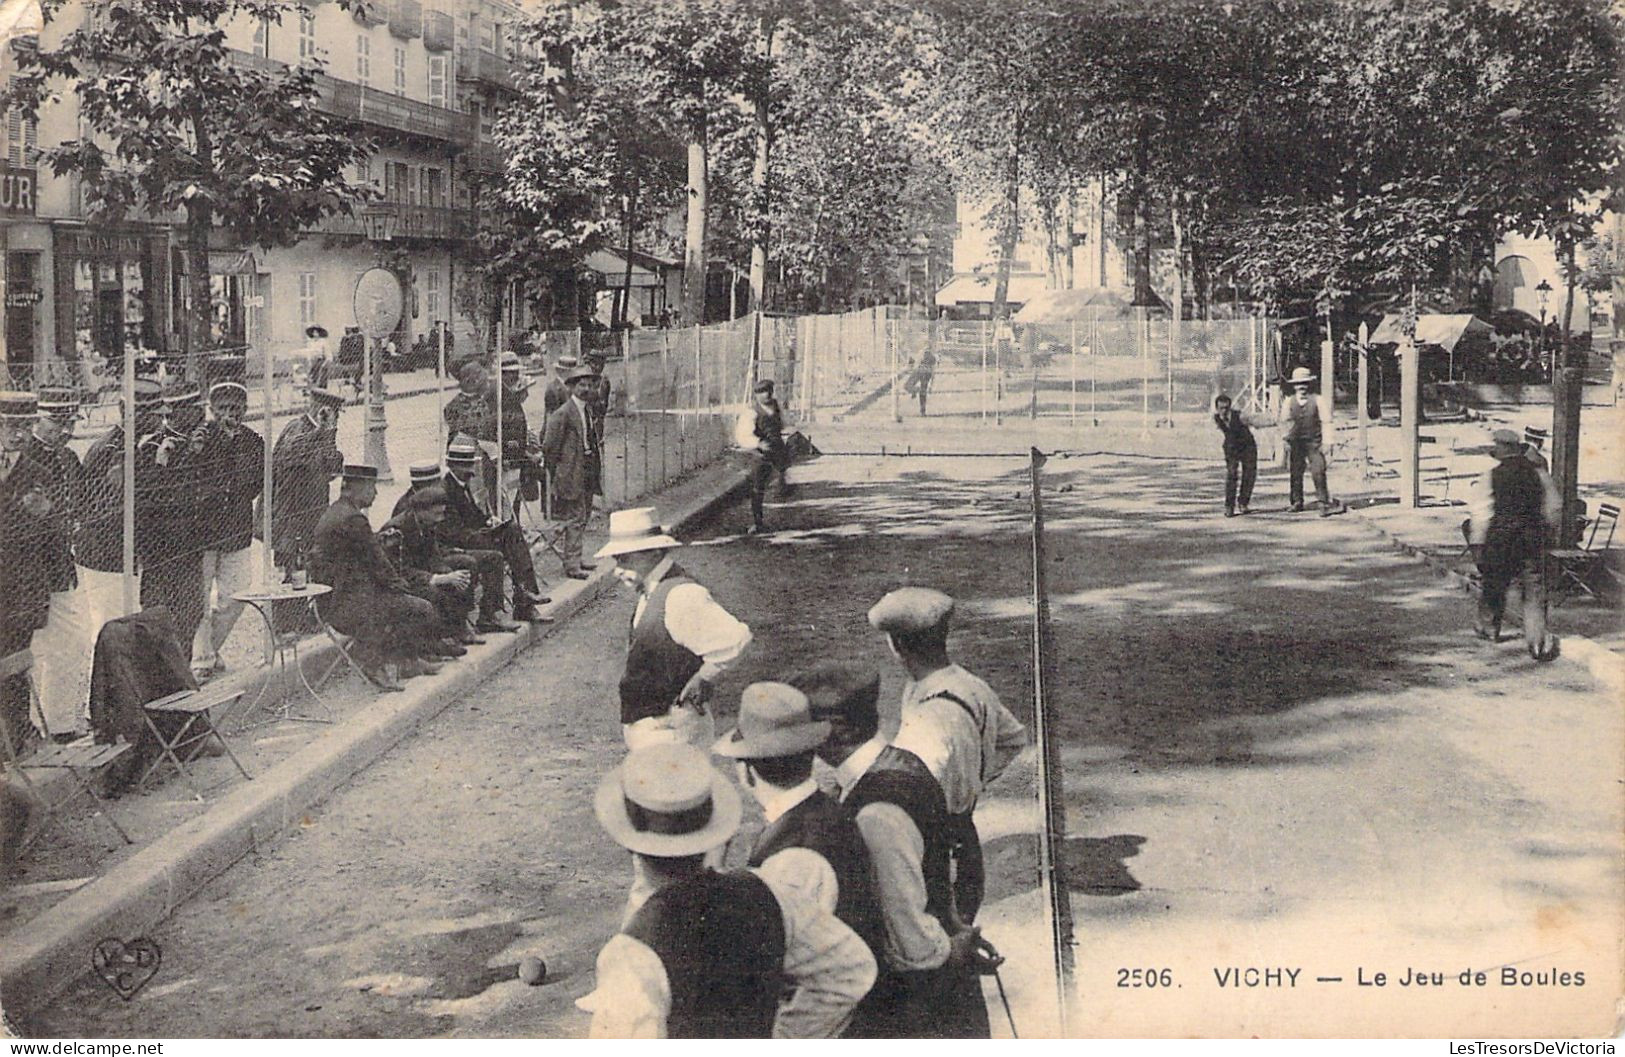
(825, 826)
(1237, 437)
(1517, 492)
(720, 938)
(657, 668)
(900, 777)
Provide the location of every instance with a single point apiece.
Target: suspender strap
(978, 721)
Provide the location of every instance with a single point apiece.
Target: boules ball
(532, 970)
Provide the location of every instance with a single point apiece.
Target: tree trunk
(1100, 276)
(1143, 294)
(694, 234)
(199, 219)
(619, 319)
(761, 170)
(1069, 272)
(1011, 226)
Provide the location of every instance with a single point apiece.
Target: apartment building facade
(423, 81)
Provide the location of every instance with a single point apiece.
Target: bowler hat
(910, 609)
(360, 471)
(763, 386)
(635, 530)
(1505, 444)
(838, 688)
(666, 801)
(18, 404)
(775, 719)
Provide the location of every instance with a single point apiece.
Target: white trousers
(229, 573)
(63, 650)
(104, 598)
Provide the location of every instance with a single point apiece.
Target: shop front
(27, 258)
(111, 286)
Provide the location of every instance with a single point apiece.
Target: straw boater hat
(566, 364)
(15, 404)
(463, 452)
(511, 361)
(1505, 444)
(58, 402)
(775, 719)
(1535, 436)
(666, 801)
(910, 609)
(424, 473)
(635, 530)
(222, 390)
(360, 471)
(1301, 376)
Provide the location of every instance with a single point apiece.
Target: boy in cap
(598, 393)
(811, 840)
(929, 958)
(570, 446)
(734, 954)
(62, 647)
(679, 640)
(771, 455)
(394, 630)
(951, 720)
(1513, 511)
(231, 473)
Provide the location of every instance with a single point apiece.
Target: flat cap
(836, 688)
(911, 609)
(221, 390)
(763, 386)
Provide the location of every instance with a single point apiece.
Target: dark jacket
(1237, 437)
(304, 461)
(231, 475)
(62, 482)
(412, 548)
(827, 827)
(466, 521)
(346, 555)
(99, 543)
(472, 415)
(572, 455)
(138, 659)
(26, 543)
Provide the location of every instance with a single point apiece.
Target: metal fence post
(1094, 366)
(267, 579)
(984, 370)
(132, 593)
(440, 391)
(1073, 414)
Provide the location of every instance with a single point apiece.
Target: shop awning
(1445, 331)
(972, 289)
(612, 266)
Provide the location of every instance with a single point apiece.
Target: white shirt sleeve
(805, 871)
(695, 622)
(634, 996)
(915, 939)
(1480, 507)
(829, 969)
(1010, 737)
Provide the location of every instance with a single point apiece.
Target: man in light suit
(570, 448)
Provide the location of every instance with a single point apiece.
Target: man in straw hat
(929, 957)
(734, 954)
(571, 449)
(61, 648)
(231, 474)
(394, 630)
(811, 840)
(99, 543)
(679, 640)
(1301, 431)
(1514, 509)
(952, 720)
(468, 527)
(1534, 444)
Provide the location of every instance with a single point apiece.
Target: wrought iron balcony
(374, 107)
(398, 221)
(439, 31)
(485, 67)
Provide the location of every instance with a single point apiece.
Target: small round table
(283, 649)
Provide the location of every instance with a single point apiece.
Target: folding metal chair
(188, 706)
(81, 759)
(1577, 565)
(342, 643)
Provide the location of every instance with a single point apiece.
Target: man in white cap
(62, 648)
(732, 954)
(679, 640)
(571, 450)
(231, 473)
(811, 841)
(929, 957)
(1301, 431)
(1513, 509)
(951, 719)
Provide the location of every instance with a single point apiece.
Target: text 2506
(1145, 978)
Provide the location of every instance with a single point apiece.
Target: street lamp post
(1543, 293)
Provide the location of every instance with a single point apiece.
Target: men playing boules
(734, 954)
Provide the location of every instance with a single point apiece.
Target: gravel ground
(1281, 743)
